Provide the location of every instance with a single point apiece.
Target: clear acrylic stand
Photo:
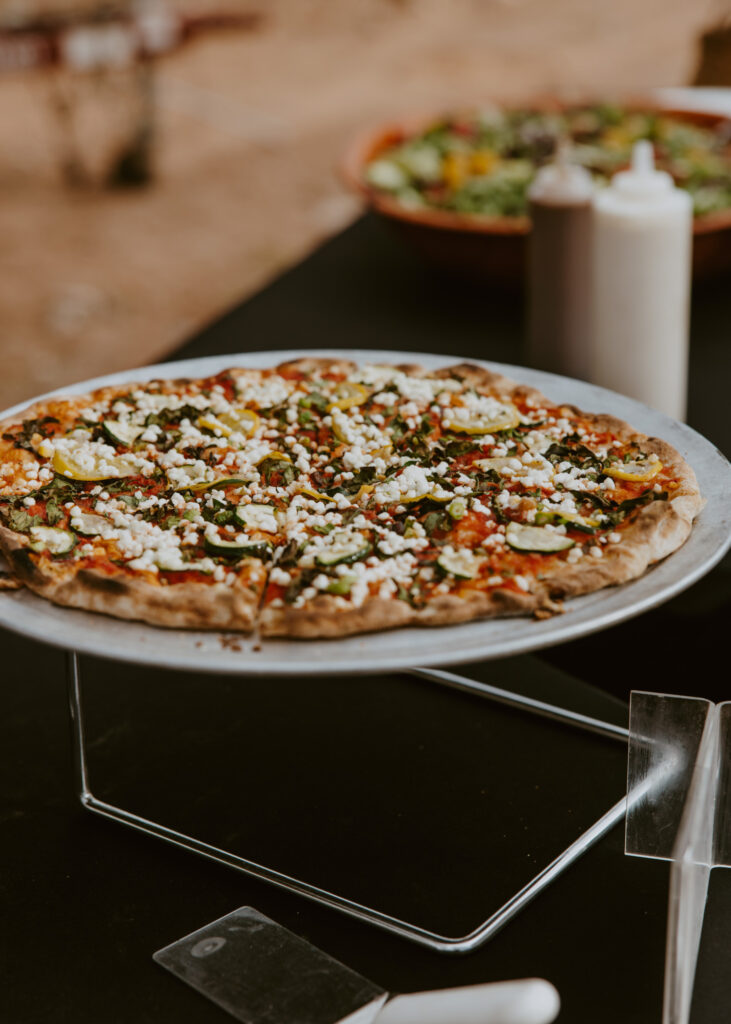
(679, 809)
(431, 939)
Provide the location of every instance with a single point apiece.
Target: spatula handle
(530, 1001)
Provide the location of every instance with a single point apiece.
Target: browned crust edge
(327, 616)
(179, 606)
(657, 531)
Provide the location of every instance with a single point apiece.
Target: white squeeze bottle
(642, 236)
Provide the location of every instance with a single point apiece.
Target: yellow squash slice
(89, 464)
(310, 492)
(462, 421)
(240, 421)
(347, 395)
(637, 472)
(276, 455)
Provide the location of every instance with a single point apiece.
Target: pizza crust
(188, 605)
(327, 616)
(656, 531)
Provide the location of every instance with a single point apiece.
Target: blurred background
(144, 190)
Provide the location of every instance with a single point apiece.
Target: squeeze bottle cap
(562, 182)
(642, 180)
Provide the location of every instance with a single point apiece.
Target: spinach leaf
(349, 515)
(64, 489)
(166, 417)
(578, 454)
(22, 438)
(21, 520)
(289, 553)
(54, 512)
(436, 520)
(457, 446)
(426, 426)
(597, 500)
(617, 511)
(350, 487)
(298, 585)
(620, 511)
(515, 433)
(486, 481)
(413, 595)
(278, 467)
(498, 512)
(123, 484)
(218, 512)
(417, 447)
(314, 400)
(398, 428)
(278, 412)
(324, 530)
(171, 521)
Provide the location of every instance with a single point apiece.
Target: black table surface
(86, 902)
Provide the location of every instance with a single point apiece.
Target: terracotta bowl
(494, 248)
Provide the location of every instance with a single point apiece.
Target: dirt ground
(250, 128)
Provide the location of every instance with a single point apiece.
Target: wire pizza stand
(85, 633)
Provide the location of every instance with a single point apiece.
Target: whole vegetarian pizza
(482, 163)
(321, 498)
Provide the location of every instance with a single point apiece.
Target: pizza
(319, 498)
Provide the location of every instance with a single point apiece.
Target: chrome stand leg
(77, 727)
(432, 940)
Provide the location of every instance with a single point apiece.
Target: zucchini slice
(52, 539)
(221, 481)
(536, 538)
(460, 563)
(572, 519)
(236, 549)
(121, 431)
(344, 548)
(258, 517)
(90, 525)
(342, 585)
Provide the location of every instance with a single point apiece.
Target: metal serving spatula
(262, 973)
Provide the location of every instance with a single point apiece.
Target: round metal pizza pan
(403, 648)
